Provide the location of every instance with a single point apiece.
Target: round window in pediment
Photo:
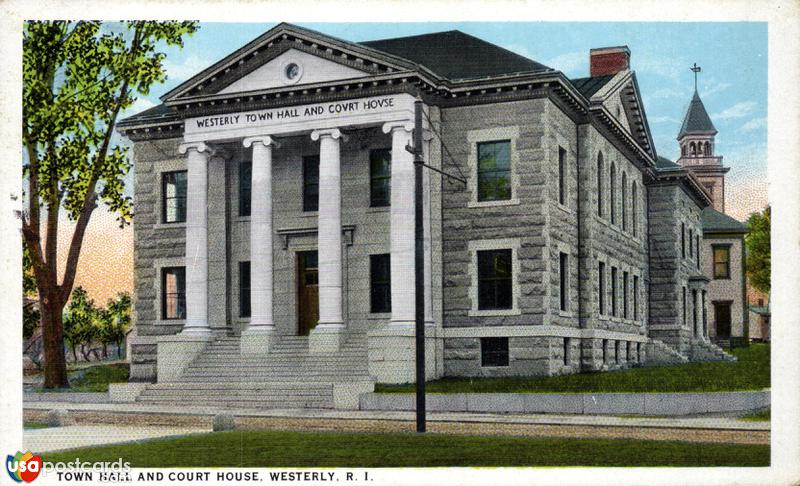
(292, 71)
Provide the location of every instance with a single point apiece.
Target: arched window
(634, 206)
(683, 150)
(623, 205)
(708, 149)
(613, 202)
(600, 194)
(693, 149)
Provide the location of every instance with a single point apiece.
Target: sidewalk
(73, 436)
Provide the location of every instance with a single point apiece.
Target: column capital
(406, 125)
(265, 140)
(200, 147)
(333, 133)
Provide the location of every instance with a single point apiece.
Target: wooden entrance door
(722, 318)
(307, 292)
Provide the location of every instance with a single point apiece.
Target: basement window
(494, 351)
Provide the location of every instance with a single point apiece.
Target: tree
(758, 250)
(117, 320)
(81, 324)
(77, 78)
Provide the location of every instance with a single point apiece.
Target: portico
(327, 126)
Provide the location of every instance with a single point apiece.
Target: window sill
(242, 219)
(379, 209)
(492, 204)
(376, 316)
(160, 226)
(565, 209)
(309, 214)
(169, 322)
(494, 312)
(566, 314)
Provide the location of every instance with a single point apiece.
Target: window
(638, 352)
(600, 184)
(683, 240)
(244, 289)
(697, 249)
(380, 283)
(245, 186)
(694, 313)
(624, 205)
(722, 261)
(566, 351)
(625, 295)
(173, 293)
(494, 171)
(617, 351)
(173, 191)
(380, 177)
(494, 351)
(311, 183)
(684, 306)
(614, 291)
(605, 347)
(634, 208)
(613, 202)
(563, 271)
(635, 297)
(601, 287)
(494, 279)
(691, 243)
(562, 176)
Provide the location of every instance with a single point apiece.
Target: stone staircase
(707, 351)
(286, 377)
(659, 353)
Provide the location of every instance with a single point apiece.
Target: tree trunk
(74, 352)
(105, 350)
(55, 362)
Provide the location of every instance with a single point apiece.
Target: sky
(732, 83)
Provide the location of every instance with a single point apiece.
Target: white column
(196, 239)
(402, 225)
(329, 232)
(261, 272)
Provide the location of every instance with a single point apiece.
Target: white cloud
(754, 124)
(570, 63)
(739, 110)
(663, 119)
(714, 87)
(663, 93)
(185, 69)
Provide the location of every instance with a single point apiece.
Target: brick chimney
(609, 60)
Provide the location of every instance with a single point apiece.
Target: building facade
(274, 218)
(723, 236)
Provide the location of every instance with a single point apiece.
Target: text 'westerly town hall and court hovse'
(274, 225)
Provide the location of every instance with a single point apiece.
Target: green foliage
(750, 372)
(97, 378)
(81, 319)
(758, 250)
(77, 78)
(115, 320)
(271, 448)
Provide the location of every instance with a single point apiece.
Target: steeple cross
(695, 69)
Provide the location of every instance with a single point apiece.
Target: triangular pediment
(290, 68)
(262, 64)
(620, 97)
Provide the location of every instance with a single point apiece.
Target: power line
(453, 163)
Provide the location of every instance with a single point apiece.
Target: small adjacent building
(274, 228)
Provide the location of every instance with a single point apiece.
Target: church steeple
(696, 139)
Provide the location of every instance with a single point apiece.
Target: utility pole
(419, 251)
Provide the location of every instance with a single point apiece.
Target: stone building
(274, 230)
(723, 236)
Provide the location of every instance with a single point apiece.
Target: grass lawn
(334, 449)
(750, 372)
(95, 378)
(34, 425)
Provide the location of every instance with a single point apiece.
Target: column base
(175, 353)
(257, 340)
(196, 331)
(392, 355)
(326, 338)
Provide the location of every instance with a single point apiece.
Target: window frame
(504, 352)
(601, 288)
(163, 293)
(494, 172)
(307, 207)
(562, 176)
(373, 260)
(384, 179)
(474, 247)
(600, 169)
(727, 262)
(614, 291)
(164, 197)
(489, 135)
(563, 282)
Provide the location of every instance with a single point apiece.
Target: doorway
(722, 319)
(307, 292)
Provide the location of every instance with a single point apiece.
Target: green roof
(590, 86)
(696, 120)
(664, 163)
(456, 55)
(715, 222)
